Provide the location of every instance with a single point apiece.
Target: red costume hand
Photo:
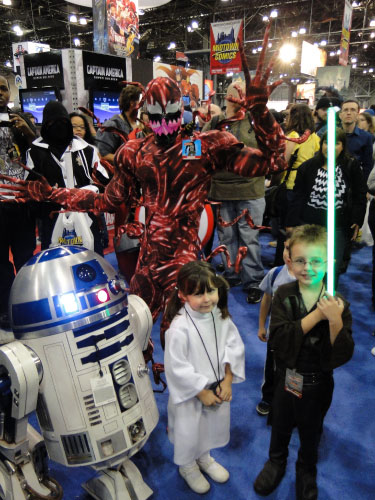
(26, 190)
(257, 90)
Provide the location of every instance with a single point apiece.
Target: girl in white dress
(204, 355)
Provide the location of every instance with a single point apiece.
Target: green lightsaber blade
(331, 182)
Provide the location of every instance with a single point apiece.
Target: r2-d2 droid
(77, 360)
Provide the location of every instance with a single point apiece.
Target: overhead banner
(345, 35)
(225, 52)
(44, 70)
(116, 27)
(102, 71)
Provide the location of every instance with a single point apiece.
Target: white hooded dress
(194, 428)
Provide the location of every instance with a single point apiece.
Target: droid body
(95, 404)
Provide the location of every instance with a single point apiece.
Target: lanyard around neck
(205, 348)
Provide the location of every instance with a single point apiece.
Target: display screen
(34, 100)
(104, 103)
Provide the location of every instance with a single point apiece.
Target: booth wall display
(312, 57)
(116, 27)
(189, 80)
(44, 69)
(20, 49)
(102, 71)
(334, 76)
(224, 54)
(306, 91)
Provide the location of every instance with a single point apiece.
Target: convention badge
(191, 149)
(293, 382)
(103, 390)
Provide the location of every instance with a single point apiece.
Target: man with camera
(17, 226)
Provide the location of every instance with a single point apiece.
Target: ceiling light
(354, 66)
(365, 46)
(316, 44)
(141, 12)
(189, 28)
(8, 64)
(371, 70)
(356, 4)
(7, 2)
(372, 22)
(82, 20)
(18, 31)
(273, 13)
(323, 43)
(76, 42)
(288, 52)
(270, 45)
(171, 46)
(331, 54)
(364, 71)
(265, 19)
(338, 52)
(73, 18)
(194, 25)
(259, 49)
(229, 74)
(254, 51)
(302, 31)
(294, 34)
(157, 58)
(372, 35)
(353, 59)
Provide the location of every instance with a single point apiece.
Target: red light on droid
(102, 296)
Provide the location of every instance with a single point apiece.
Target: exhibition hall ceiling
(47, 21)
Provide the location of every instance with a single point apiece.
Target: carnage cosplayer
(174, 187)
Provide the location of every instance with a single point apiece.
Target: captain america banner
(225, 54)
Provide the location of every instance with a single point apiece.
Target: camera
(4, 120)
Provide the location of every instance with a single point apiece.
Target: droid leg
(125, 483)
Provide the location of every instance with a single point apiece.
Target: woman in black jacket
(309, 201)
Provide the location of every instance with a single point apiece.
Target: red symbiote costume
(174, 189)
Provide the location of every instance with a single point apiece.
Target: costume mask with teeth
(165, 109)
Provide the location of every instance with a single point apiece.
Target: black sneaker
(306, 487)
(254, 296)
(263, 408)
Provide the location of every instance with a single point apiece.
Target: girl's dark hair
(193, 278)
(88, 135)
(340, 137)
(299, 119)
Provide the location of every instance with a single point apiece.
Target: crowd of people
(310, 331)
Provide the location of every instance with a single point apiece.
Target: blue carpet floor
(346, 468)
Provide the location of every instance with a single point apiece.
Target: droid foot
(123, 484)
